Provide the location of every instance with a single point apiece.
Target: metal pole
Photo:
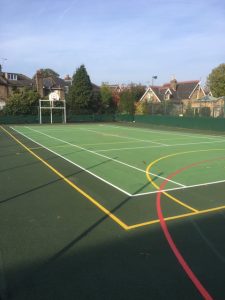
(64, 111)
(40, 111)
(51, 114)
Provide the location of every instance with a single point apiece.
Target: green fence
(214, 124)
(199, 123)
(21, 119)
(56, 118)
(90, 118)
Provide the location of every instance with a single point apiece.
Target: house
(116, 89)
(216, 106)
(48, 84)
(175, 92)
(9, 82)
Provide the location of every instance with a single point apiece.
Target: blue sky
(119, 41)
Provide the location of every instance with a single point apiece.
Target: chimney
(39, 83)
(173, 84)
(67, 77)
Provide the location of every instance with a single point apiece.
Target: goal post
(52, 105)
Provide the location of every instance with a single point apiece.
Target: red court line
(202, 290)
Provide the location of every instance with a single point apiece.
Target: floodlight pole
(40, 115)
(64, 112)
(154, 77)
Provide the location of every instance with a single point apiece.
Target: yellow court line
(176, 217)
(102, 208)
(74, 186)
(165, 193)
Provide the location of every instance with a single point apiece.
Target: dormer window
(167, 96)
(11, 76)
(150, 96)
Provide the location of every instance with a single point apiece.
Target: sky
(118, 41)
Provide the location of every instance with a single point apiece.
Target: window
(150, 96)
(66, 89)
(2, 104)
(167, 96)
(12, 76)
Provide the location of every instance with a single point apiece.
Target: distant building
(11, 81)
(175, 92)
(215, 105)
(46, 85)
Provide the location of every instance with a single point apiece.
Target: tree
(108, 104)
(137, 91)
(142, 108)
(82, 97)
(129, 97)
(49, 73)
(22, 102)
(216, 81)
(126, 104)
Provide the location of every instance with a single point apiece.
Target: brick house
(216, 105)
(10, 82)
(46, 85)
(177, 93)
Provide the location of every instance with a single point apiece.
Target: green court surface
(79, 217)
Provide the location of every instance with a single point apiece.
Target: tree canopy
(108, 104)
(82, 98)
(22, 102)
(49, 72)
(216, 81)
(129, 97)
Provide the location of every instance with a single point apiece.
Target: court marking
(201, 289)
(124, 137)
(181, 188)
(165, 157)
(73, 185)
(177, 217)
(156, 131)
(73, 163)
(121, 223)
(149, 147)
(95, 153)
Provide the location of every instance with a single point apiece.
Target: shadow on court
(56, 245)
(138, 265)
(35, 189)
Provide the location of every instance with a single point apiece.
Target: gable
(197, 92)
(150, 95)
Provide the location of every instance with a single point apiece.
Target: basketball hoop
(53, 98)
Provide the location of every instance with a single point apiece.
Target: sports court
(88, 211)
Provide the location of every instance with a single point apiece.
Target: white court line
(197, 135)
(149, 147)
(101, 155)
(116, 187)
(73, 163)
(123, 137)
(104, 156)
(181, 188)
